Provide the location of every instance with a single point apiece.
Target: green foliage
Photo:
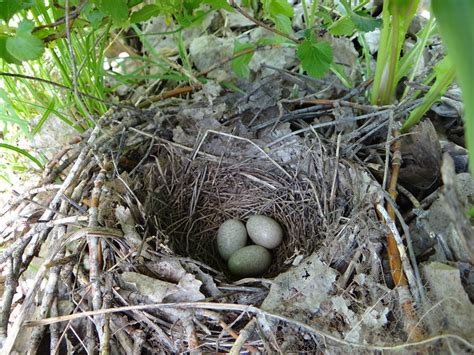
(277, 7)
(396, 16)
(445, 73)
(364, 22)
(315, 57)
(4, 53)
(22, 152)
(280, 12)
(24, 46)
(240, 65)
(10, 7)
(457, 31)
(116, 9)
(145, 13)
(353, 20)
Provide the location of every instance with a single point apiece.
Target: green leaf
(22, 152)
(340, 72)
(365, 23)
(219, 4)
(315, 58)
(283, 23)
(457, 32)
(71, 3)
(269, 41)
(145, 13)
(342, 27)
(279, 7)
(95, 17)
(116, 9)
(132, 3)
(9, 114)
(4, 54)
(445, 74)
(240, 65)
(43, 118)
(24, 46)
(10, 7)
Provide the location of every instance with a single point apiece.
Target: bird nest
(189, 198)
(129, 235)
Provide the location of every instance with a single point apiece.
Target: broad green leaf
(4, 54)
(219, 4)
(62, 3)
(116, 9)
(95, 17)
(189, 5)
(315, 58)
(327, 19)
(10, 7)
(457, 32)
(240, 65)
(132, 3)
(278, 7)
(365, 23)
(24, 46)
(283, 23)
(342, 27)
(145, 13)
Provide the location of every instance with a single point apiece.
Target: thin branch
(250, 309)
(261, 24)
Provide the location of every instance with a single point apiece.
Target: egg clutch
(248, 260)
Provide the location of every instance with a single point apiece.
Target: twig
(95, 256)
(237, 55)
(236, 335)
(398, 261)
(251, 309)
(242, 338)
(33, 239)
(92, 97)
(243, 139)
(11, 282)
(167, 94)
(327, 124)
(261, 24)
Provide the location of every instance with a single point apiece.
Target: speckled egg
(264, 231)
(252, 260)
(231, 236)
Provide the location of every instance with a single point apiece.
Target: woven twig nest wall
(191, 196)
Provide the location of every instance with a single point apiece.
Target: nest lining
(191, 198)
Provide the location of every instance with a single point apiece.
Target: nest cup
(192, 197)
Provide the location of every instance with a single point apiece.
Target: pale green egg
(252, 260)
(231, 237)
(264, 231)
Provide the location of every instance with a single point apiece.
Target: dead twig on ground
(400, 267)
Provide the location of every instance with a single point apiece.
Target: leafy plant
(396, 16)
(445, 74)
(457, 30)
(315, 57)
